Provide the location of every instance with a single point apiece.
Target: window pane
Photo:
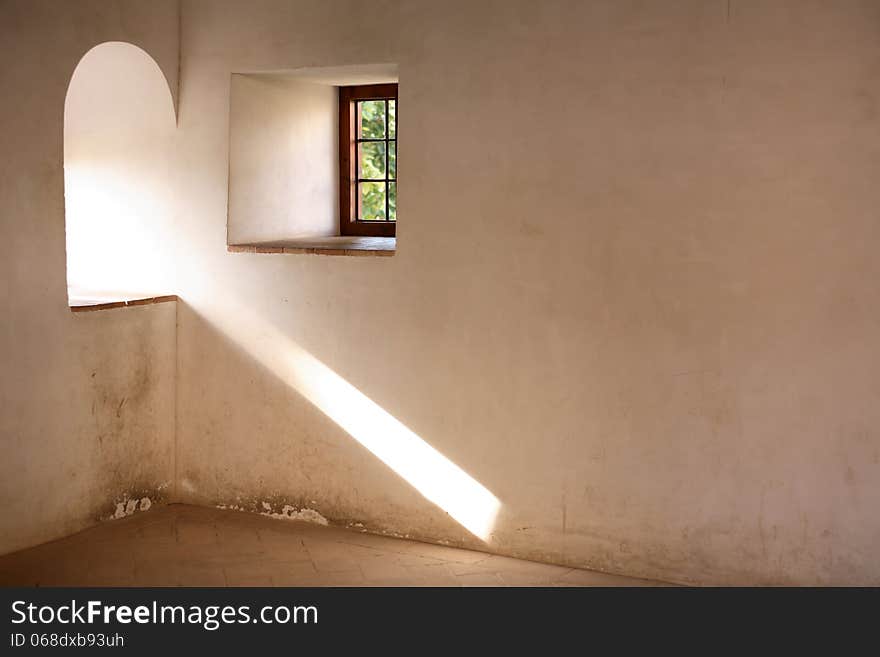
(372, 159)
(392, 118)
(392, 159)
(392, 201)
(372, 119)
(372, 201)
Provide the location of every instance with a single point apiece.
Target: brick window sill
(336, 246)
(81, 305)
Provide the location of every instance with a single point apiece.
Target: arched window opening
(119, 126)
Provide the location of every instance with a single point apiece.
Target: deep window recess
(368, 160)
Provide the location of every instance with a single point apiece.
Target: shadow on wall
(119, 131)
(253, 348)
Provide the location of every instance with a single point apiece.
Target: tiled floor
(181, 545)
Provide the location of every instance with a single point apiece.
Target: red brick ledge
(332, 246)
(312, 250)
(122, 304)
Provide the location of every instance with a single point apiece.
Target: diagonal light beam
(437, 478)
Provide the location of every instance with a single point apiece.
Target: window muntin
(368, 160)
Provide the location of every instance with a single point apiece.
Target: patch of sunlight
(437, 478)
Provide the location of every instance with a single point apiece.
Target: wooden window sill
(341, 245)
(87, 305)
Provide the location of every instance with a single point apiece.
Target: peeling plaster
(287, 512)
(129, 506)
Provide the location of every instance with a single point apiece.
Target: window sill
(82, 305)
(340, 245)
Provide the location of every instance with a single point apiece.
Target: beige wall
(87, 399)
(634, 295)
(282, 159)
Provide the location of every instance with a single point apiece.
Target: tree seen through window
(377, 160)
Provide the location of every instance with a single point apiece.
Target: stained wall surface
(86, 399)
(634, 296)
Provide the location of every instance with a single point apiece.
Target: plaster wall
(282, 159)
(634, 297)
(86, 399)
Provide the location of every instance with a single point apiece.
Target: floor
(180, 545)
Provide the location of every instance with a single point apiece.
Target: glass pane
(372, 201)
(372, 159)
(392, 159)
(392, 201)
(392, 118)
(372, 119)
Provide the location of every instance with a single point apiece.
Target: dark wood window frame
(349, 224)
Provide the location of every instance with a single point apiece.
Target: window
(368, 160)
(119, 142)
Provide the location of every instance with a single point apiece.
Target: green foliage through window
(377, 160)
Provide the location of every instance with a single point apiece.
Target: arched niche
(119, 129)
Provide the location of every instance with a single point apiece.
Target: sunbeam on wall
(438, 479)
(427, 470)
